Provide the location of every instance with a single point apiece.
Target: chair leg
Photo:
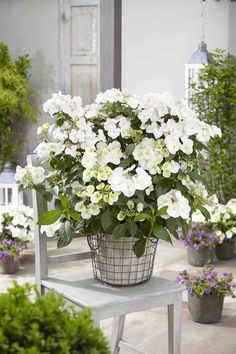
(117, 333)
(174, 325)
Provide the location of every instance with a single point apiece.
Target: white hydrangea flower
(121, 181)
(177, 204)
(149, 155)
(187, 146)
(172, 143)
(112, 95)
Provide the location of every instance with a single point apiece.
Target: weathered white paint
(160, 36)
(79, 48)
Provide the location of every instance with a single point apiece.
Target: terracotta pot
(10, 265)
(206, 308)
(115, 263)
(200, 257)
(225, 250)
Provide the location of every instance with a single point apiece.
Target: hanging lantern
(200, 58)
(9, 190)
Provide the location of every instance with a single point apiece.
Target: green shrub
(45, 325)
(15, 101)
(214, 100)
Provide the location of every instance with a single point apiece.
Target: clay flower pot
(225, 250)
(200, 257)
(206, 308)
(10, 264)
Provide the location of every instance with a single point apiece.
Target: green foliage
(45, 325)
(15, 101)
(214, 100)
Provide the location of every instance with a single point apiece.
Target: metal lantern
(197, 61)
(9, 189)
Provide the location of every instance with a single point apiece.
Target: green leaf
(195, 175)
(172, 225)
(185, 227)
(49, 217)
(139, 247)
(125, 162)
(129, 149)
(106, 219)
(204, 211)
(163, 186)
(120, 231)
(142, 217)
(58, 205)
(65, 235)
(74, 215)
(132, 227)
(47, 196)
(64, 201)
(160, 232)
(162, 211)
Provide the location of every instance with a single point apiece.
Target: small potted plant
(206, 292)
(224, 218)
(201, 241)
(16, 230)
(46, 325)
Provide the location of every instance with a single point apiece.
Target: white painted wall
(159, 36)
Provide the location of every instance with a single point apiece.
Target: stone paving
(148, 329)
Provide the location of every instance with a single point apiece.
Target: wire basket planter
(114, 262)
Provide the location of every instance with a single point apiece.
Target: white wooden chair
(108, 302)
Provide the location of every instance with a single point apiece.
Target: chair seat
(114, 301)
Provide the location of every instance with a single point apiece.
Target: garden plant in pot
(206, 292)
(122, 173)
(201, 241)
(224, 219)
(16, 230)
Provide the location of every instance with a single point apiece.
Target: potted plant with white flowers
(122, 172)
(16, 230)
(224, 219)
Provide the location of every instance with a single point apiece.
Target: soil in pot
(200, 257)
(225, 250)
(206, 308)
(114, 262)
(10, 265)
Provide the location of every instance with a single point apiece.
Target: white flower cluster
(18, 221)
(116, 147)
(177, 205)
(223, 217)
(30, 175)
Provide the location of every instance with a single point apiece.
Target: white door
(79, 48)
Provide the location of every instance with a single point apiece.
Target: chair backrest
(42, 259)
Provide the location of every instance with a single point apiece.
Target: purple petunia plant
(10, 247)
(198, 236)
(207, 282)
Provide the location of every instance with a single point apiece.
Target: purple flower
(225, 274)
(212, 283)
(190, 290)
(196, 247)
(207, 291)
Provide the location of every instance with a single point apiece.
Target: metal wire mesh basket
(115, 263)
